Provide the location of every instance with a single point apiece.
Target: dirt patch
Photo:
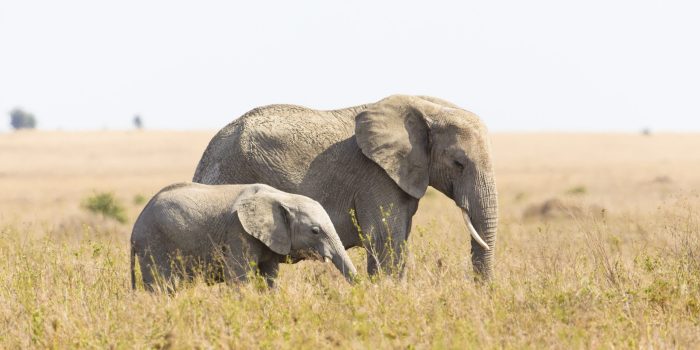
(662, 180)
(555, 208)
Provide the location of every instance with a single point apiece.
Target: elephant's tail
(132, 257)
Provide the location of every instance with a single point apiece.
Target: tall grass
(625, 281)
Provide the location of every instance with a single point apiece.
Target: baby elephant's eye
(459, 165)
(316, 230)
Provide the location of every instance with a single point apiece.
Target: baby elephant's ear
(264, 217)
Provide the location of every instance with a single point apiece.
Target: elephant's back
(279, 139)
(184, 212)
(192, 202)
(224, 145)
(291, 126)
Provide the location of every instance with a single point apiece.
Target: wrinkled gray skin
(380, 155)
(226, 229)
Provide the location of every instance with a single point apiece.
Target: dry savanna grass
(598, 248)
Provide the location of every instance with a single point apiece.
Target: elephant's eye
(315, 230)
(459, 165)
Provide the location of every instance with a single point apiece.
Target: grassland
(599, 247)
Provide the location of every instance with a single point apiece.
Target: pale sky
(520, 65)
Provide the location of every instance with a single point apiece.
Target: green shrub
(577, 190)
(105, 204)
(139, 199)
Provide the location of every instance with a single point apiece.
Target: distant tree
(138, 123)
(20, 119)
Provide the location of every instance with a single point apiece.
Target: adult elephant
(373, 160)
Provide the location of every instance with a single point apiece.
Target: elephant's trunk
(482, 222)
(342, 261)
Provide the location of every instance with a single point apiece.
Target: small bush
(105, 204)
(139, 199)
(577, 190)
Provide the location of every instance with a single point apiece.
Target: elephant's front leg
(235, 269)
(385, 230)
(240, 255)
(269, 270)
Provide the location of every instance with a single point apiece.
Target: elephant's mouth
(309, 254)
(472, 230)
(312, 255)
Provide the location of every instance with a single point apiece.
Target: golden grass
(616, 265)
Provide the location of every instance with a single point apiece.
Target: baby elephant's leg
(155, 271)
(147, 274)
(269, 270)
(234, 269)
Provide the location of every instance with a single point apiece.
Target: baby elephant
(225, 230)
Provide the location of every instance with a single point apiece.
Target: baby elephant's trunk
(342, 262)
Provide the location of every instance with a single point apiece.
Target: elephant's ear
(264, 217)
(394, 134)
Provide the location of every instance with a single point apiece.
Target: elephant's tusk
(326, 259)
(472, 230)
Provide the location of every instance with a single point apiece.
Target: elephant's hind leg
(156, 273)
(147, 274)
